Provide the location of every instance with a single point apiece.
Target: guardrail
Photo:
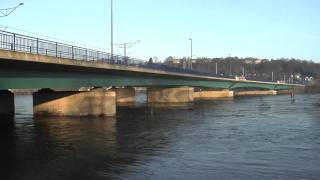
(22, 43)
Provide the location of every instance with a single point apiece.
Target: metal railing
(27, 44)
(22, 43)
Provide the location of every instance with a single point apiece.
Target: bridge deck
(25, 70)
(28, 62)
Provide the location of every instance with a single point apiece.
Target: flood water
(269, 137)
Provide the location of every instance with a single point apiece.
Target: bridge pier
(255, 93)
(6, 103)
(213, 94)
(125, 95)
(97, 102)
(281, 92)
(170, 95)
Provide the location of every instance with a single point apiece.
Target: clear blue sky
(254, 28)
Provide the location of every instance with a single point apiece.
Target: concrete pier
(97, 102)
(170, 95)
(281, 92)
(207, 95)
(255, 93)
(125, 95)
(6, 103)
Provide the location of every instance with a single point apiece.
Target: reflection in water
(75, 144)
(7, 142)
(245, 138)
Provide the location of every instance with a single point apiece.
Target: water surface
(269, 137)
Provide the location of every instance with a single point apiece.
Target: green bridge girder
(28, 71)
(37, 80)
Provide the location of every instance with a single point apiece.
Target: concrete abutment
(97, 102)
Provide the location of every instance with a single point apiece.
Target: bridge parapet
(27, 44)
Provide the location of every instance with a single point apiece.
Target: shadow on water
(87, 148)
(244, 138)
(6, 123)
(60, 148)
(84, 148)
(7, 162)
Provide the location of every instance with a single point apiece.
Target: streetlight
(190, 39)
(216, 67)
(111, 30)
(8, 11)
(243, 75)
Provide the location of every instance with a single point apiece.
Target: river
(270, 137)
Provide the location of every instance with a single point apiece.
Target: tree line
(289, 70)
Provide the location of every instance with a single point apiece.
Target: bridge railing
(22, 43)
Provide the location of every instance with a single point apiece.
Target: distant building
(172, 60)
(253, 61)
(239, 78)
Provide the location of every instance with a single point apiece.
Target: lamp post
(217, 68)
(111, 7)
(8, 11)
(191, 48)
(243, 75)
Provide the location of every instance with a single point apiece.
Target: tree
(150, 61)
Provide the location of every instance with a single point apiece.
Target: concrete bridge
(32, 63)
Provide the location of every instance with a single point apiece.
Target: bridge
(33, 63)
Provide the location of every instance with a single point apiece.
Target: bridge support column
(6, 103)
(281, 92)
(170, 95)
(97, 102)
(125, 95)
(255, 93)
(207, 95)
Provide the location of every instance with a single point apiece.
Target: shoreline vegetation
(284, 69)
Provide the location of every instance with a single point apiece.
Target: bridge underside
(35, 75)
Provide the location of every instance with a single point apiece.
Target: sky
(218, 28)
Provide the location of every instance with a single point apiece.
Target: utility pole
(8, 11)
(126, 45)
